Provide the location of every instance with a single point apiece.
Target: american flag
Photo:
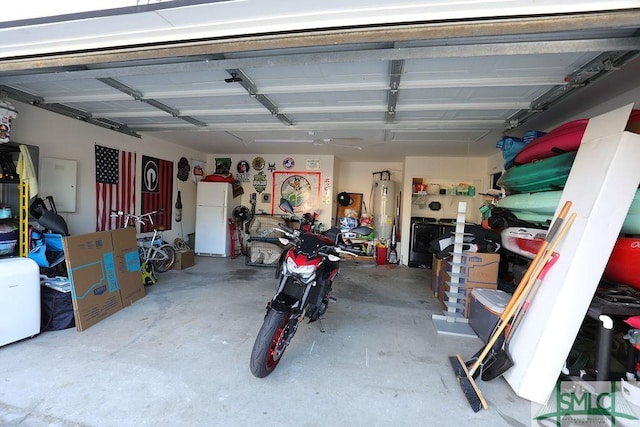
(157, 190)
(115, 185)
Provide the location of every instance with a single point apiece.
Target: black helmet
(344, 199)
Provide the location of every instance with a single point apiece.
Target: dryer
(19, 299)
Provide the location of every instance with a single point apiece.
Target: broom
(465, 375)
(527, 275)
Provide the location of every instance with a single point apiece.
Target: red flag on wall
(157, 190)
(115, 185)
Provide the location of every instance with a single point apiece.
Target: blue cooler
(486, 307)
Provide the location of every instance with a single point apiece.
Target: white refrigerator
(213, 210)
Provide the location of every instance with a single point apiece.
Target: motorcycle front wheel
(270, 343)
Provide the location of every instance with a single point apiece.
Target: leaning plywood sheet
(601, 185)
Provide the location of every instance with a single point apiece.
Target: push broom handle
(541, 252)
(528, 296)
(512, 307)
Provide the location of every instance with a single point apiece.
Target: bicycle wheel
(163, 258)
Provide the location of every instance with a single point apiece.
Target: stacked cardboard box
(480, 271)
(104, 270)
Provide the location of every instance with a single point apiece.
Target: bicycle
(154, 251)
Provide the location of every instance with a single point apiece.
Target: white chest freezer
(19, 299)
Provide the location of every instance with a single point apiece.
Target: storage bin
(510, 147)
(486, 307)
(5, 213)
(8, 247)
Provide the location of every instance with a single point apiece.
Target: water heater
(384, 205)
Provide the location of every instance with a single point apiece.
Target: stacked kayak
(534, 187)
(563, 139)
(623, 265)
(538, 208)
(624, 262)
(523, 241)
(544, 175)
(534, 208)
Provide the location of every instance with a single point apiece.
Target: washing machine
(19, 299)
(423, 231)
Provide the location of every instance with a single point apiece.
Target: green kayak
(538, 208)
(544, 175)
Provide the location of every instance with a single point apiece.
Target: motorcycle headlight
(304, 271)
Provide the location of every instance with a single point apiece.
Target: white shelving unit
(452, 320)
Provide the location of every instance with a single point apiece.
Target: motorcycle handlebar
(348, 251)
(286, 230)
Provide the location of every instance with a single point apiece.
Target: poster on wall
(223, 166)
(197, 171)
(157, 191)
(301, 189)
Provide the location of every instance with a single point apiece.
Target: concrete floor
(180, 356)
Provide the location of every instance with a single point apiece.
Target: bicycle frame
(153, 251)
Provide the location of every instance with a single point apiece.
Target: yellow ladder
(23, 215)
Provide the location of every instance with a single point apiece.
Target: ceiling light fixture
(233, 79)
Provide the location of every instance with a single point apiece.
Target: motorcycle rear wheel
(270, 343)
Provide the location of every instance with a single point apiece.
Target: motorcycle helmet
(344, 199)
(347, 223)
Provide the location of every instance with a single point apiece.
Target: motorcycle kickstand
(320, 324)
(330, 299)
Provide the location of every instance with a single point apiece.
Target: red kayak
(563, 139)
(623, 265)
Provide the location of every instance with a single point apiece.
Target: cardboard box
(437, 266)
(127, 265)
(185, 258)
(442, 296)
(466, 290)
(482, 268)
(92, 272)
(479, 269)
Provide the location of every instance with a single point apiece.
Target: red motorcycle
(305, 273)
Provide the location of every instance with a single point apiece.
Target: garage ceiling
(374, 93)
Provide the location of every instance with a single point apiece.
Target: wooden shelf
(357, 258)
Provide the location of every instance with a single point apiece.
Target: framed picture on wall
(301, 189)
